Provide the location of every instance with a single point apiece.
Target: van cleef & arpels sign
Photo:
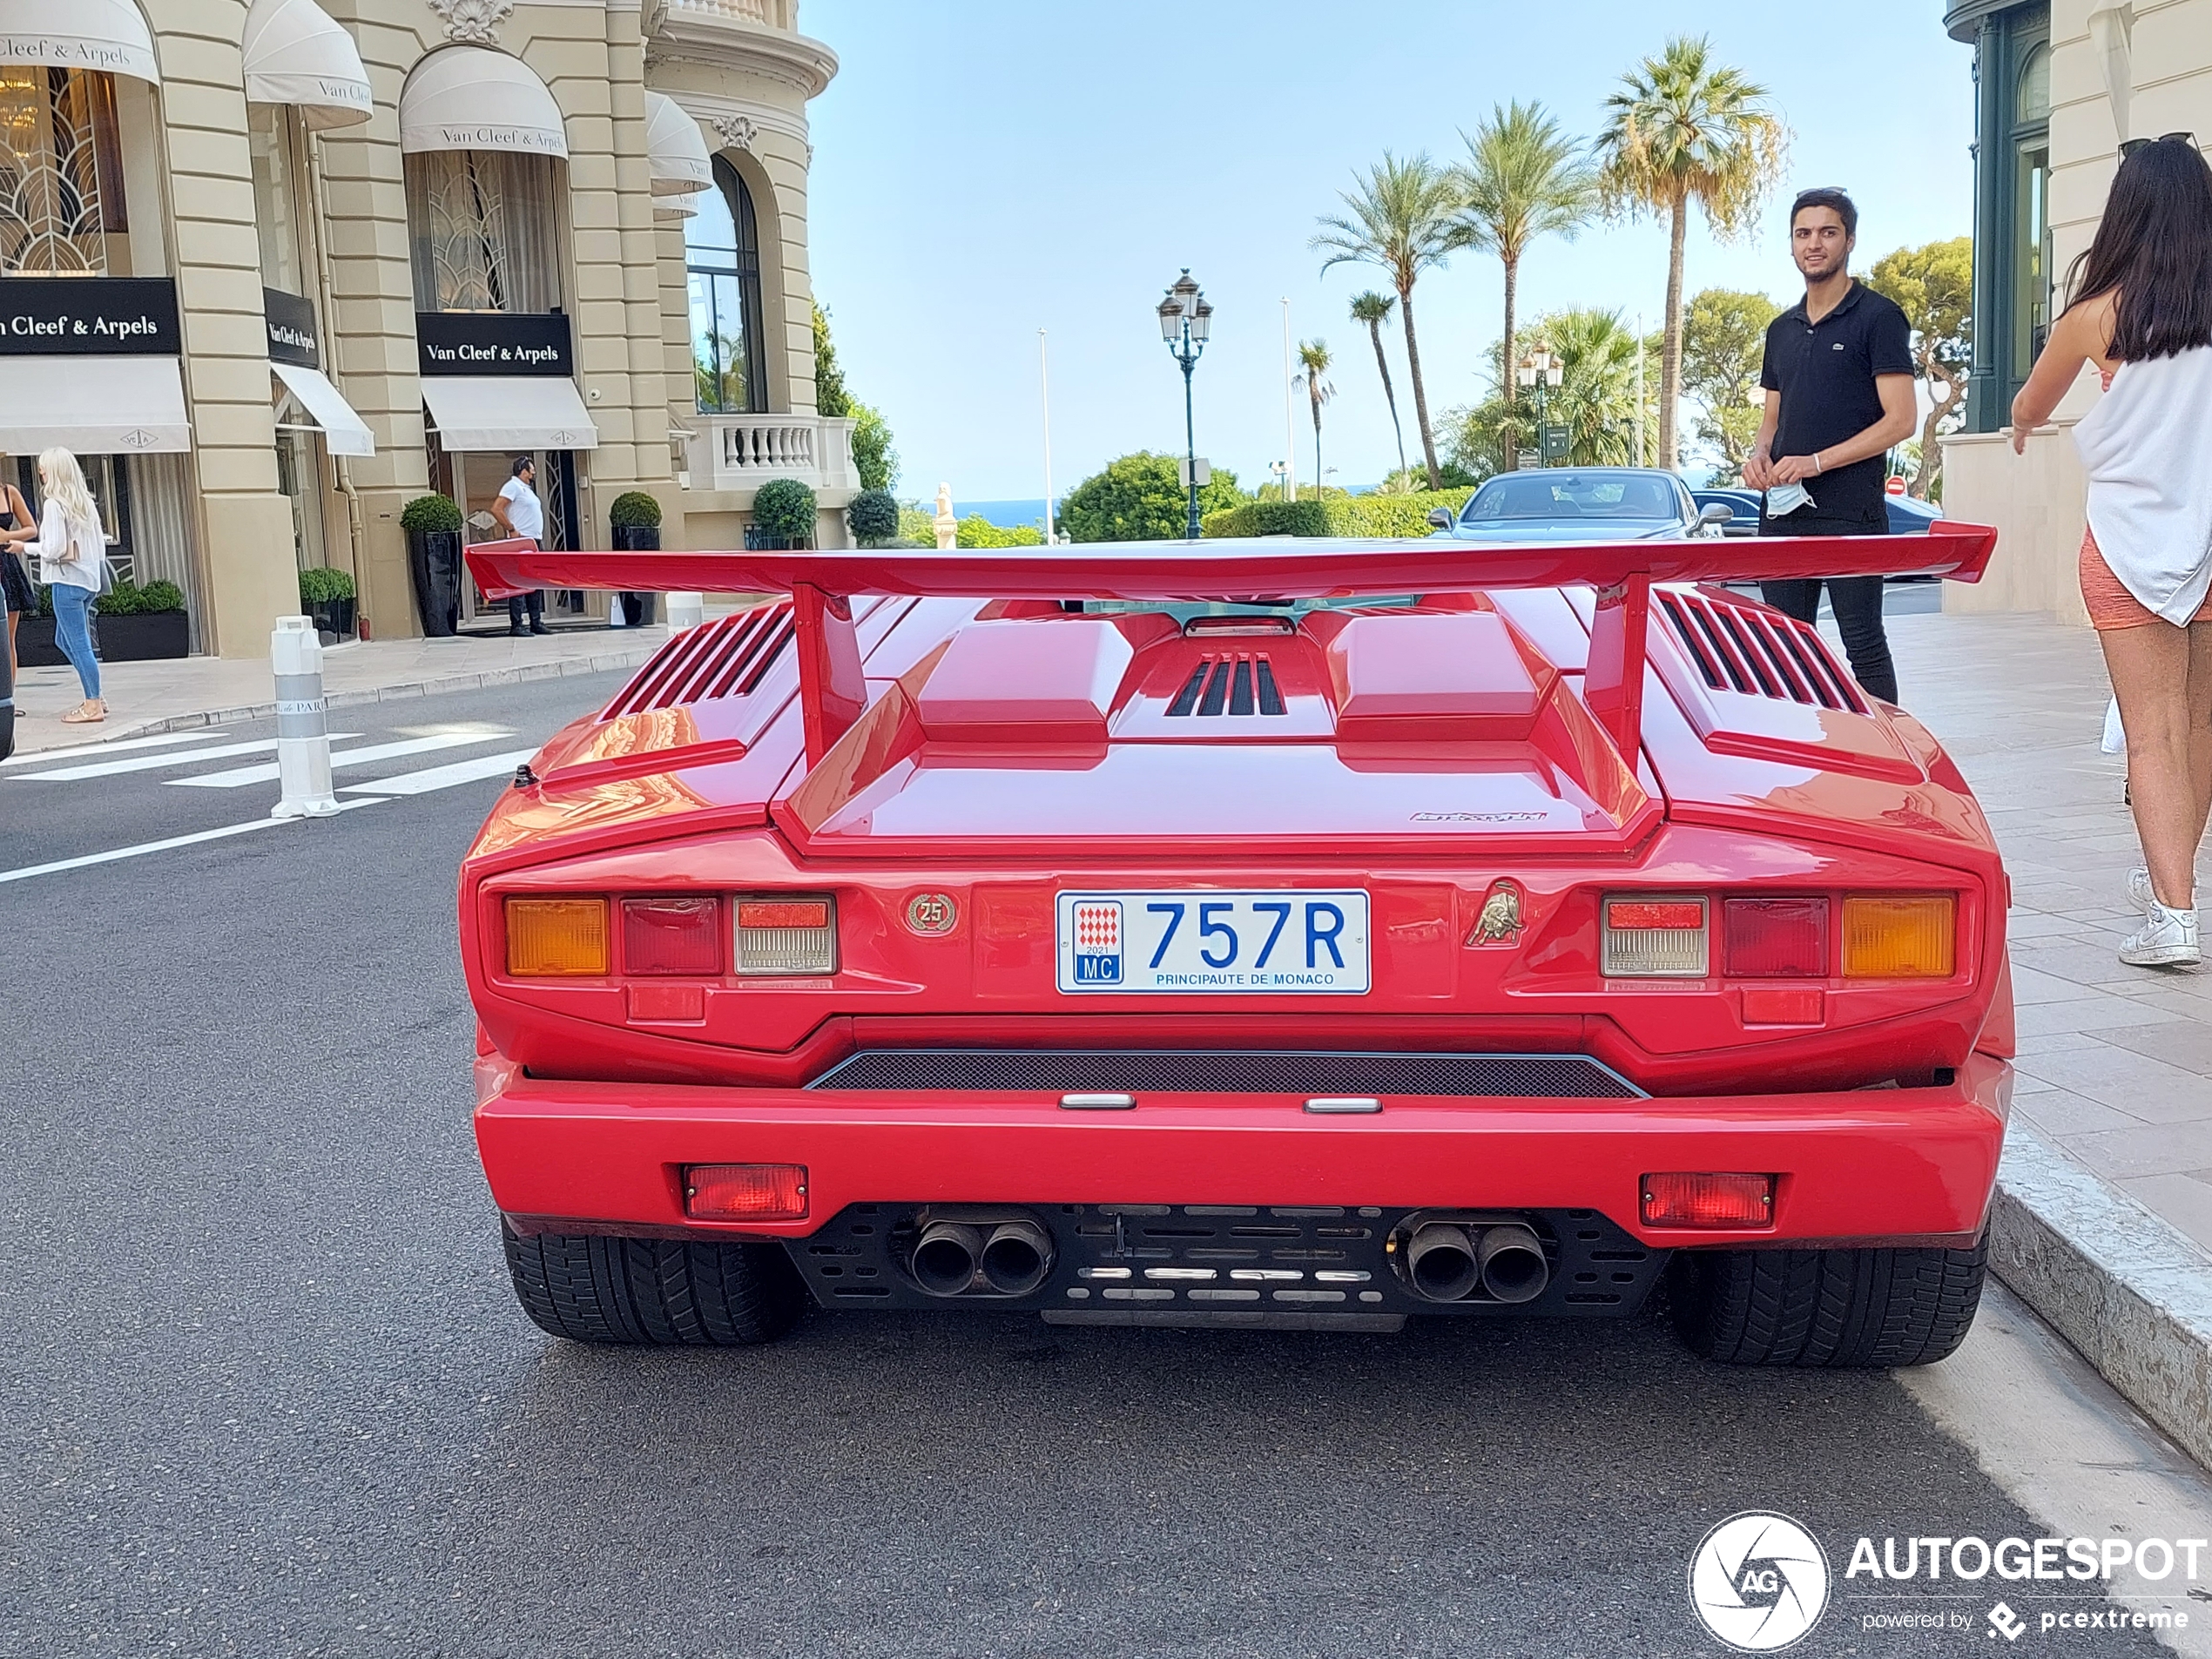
(88, 317)
(492, 342)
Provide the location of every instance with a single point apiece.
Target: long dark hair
(2154, 246)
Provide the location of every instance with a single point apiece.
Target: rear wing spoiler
(823, 581)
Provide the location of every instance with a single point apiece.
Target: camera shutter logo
(1759, 1582)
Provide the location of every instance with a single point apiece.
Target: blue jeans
(73, 633)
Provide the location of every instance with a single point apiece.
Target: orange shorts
(2111, 605)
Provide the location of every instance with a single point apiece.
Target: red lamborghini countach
(1265, 934)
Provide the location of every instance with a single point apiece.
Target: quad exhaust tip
(1011, 1256)
(1017, 1256)
(945, 1257)
(1446, 1262)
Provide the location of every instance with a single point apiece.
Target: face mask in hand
(1784, 499)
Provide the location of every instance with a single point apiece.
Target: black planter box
(637, 608)
(433, 562)
(140, 637)
(334, 619)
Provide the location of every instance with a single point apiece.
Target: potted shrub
(433, 527)
(783, 515)
(635, 520)
(130, 624)
(873, 519)
(326, 595)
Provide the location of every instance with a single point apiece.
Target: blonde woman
(72, 554)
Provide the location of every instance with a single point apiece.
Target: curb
(561, 668)
(2124, 1286)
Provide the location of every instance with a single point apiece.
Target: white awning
(78, 34)
(507, 414)
(98, 406)
(472, 97)
(296, 54)
(676, 155)
(344, 432)
(677, 208)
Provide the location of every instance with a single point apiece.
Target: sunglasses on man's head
(2131, 146)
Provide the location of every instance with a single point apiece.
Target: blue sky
(985, 168)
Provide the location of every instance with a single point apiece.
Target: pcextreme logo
(1759, 1582)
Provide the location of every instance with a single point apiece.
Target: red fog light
(1708, 1200)
(745, 1191)
(1775, 938)
(672, 936)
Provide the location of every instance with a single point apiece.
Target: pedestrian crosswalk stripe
(167, 741)
(460, 771)
(150, 762)
(144, 847)
(238, 777)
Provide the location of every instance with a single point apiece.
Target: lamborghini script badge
(931, 913)
(1499, 922)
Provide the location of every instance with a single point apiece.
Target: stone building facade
(275, 269)
(2058, 85)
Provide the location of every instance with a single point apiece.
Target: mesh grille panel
(1534, 1077)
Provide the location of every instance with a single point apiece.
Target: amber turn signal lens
(1708, 1200)
(1900, 935)
(557, 938)
(745, 1191)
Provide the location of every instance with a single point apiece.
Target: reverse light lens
(1662, 938)
(1774, 938)
(557, 938)
(672, 936)
(787, 937)
(1716, 1201)
(1900, 936)
(745, 1191)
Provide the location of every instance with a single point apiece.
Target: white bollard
(303, 722)
(685, 610)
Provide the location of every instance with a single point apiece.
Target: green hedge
(1363, 515)
(127, 599)
(634, 510)
(429, 513)
(784, 507)
(975, 531)
(323, 585)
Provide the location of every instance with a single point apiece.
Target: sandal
(92, 711)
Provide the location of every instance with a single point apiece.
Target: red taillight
(1661, 937)
(1625, 915)
(745, 1191)
(780, 937)
(1774, 938)
(672, 936)
(782, 912)
(1708, 1200)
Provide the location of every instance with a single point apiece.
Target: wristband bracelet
(1819, 465)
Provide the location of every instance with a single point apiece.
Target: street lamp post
(1186, 319)
(1542, 372)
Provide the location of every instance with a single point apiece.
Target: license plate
(1302, 941)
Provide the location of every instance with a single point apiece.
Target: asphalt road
(265, 1391)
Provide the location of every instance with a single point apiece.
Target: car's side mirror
(1719, 512)
(1439, 518)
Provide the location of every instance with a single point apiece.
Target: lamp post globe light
(1542, 373)
(1185, 321)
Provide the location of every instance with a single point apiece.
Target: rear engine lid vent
(728, 657)
(1242, 683)
(1758, 652)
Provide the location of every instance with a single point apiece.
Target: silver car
(1581, 504)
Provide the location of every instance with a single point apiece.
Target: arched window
(485, 231)
(722, 261)
(61, 174)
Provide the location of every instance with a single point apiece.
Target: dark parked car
(1581, 504)
(1907, 516)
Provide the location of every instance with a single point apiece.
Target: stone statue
(944, 523)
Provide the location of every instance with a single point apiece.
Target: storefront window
(722, 259)
(62, 210)
(299, 481)
(276, 194)
(2031, 240)
(485, 235)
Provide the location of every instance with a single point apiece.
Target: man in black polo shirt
(1838, 379)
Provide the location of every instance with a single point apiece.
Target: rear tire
(654, 1290)
(1836, 1308)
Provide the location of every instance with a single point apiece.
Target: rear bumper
(1867, 1166)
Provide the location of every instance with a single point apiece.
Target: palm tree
(1373, 309)
(1402, 221)
(1523, 178)
(1314, 355)
(1596, 397)
(1685, 129)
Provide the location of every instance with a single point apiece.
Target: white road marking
(238, 777)
(144, 847)
(150, 762)
(168, 740)
(460, 771)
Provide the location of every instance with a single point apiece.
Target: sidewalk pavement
(202, 690)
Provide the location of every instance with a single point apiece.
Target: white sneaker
(2166, 939)
(2139, 893)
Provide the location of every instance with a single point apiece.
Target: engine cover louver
(728, 657)
(1241, 684)
(1758, 652)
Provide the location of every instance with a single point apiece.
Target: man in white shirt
(519, 513)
